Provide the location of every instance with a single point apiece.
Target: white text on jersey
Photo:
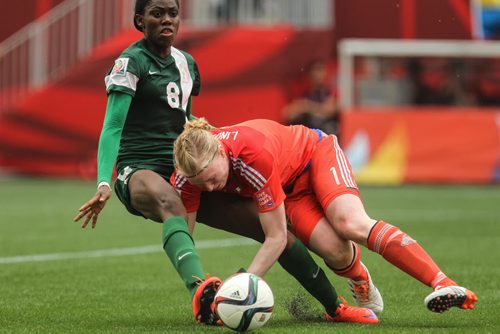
(227, 135)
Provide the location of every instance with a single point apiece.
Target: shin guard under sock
(297, 261)
(404, 252)
(179, 246)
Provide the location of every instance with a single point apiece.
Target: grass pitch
(57, 278)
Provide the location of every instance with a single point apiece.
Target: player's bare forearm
(274, 227)
(267, 255)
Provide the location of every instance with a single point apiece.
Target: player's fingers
(94, 220)
(90, 203)
(97, 208)
(86, 206)
(81, 214)
(86, 221)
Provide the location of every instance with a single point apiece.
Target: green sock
(179, 246)
(297, 261)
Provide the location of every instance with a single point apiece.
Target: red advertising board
(393, 146)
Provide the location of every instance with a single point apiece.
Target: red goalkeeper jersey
(265, 158)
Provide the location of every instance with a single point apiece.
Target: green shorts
(121, 185)
(121, 188)
(236, 208)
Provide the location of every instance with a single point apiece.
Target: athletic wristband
(103, 183)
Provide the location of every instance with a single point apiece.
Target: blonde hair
(195, 148)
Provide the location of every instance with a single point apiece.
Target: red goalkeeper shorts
(329, 176)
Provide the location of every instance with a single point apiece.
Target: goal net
(387, 72)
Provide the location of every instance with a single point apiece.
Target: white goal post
(348, 49)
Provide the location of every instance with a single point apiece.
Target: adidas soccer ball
(244, 302)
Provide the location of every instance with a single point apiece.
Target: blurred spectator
(487, 82)
(383, 82)
(314, 105)
(439, 81)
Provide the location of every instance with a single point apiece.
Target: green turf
(458, 225)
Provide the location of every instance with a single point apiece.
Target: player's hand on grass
(93, 207)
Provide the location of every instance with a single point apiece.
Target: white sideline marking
(202, 244)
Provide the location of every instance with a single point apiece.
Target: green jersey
(160, 90)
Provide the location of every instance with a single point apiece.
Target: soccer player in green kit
(149, 100)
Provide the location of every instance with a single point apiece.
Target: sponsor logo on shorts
(123, 176)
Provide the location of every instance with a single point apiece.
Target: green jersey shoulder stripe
(186, 79)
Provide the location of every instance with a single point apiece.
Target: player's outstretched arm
(274, 227)
(93, 207)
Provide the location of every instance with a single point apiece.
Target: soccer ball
(244, 302)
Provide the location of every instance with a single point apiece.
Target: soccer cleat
(443, 299)
(366, 294)
(203, 301)
(346, 313)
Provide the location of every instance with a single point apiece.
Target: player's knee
(158, 205)
(352, 227)
(337, 257)
(170, 203)
(154, 197)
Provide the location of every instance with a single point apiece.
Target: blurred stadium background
(417, 83)
(417, 86)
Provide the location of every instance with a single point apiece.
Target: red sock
(355, 270)
(405, 253)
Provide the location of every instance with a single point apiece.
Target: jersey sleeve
(189, 114)
(196, 80)
(109, 141)
(124, 76)
(190, 195)
(264, 175)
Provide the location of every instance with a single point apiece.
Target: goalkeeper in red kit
(149, 89)
(302, 174)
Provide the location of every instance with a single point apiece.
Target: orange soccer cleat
(203, 301)
(346, 313)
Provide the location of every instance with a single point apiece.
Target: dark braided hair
(140, 6)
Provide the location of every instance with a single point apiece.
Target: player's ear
(139, 22)
(222, 152)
